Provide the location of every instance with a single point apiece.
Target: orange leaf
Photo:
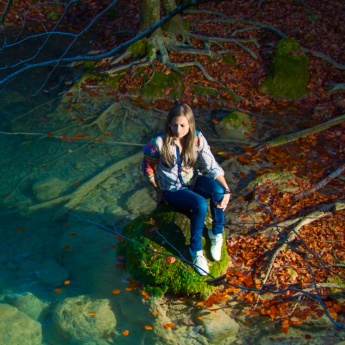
(285, 330)
(168, 325)
(116, 292)
(155, 313)
(145, 294)
(67, 282)
(148, 327)
(91, 313)
(125, 332)
(171, 259)
(66, 247)
(57, 290)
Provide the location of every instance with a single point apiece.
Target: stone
(17, 328)
(27, 303)
(158, 235)
(49, 189)
(220, 328)
(235, 125)
(288, 75)
(83, 319)
(51, 273)
(141, 202)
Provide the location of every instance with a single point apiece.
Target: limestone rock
(141, 202)
(167, 232)
(48, 189)
(83, 319)
(51, 273)
(288, 75)
(219, 327)
(235, 125)
(17, 328)
(26, 303)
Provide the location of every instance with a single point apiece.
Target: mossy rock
(288, 75)
(235, 125)
(153, 238)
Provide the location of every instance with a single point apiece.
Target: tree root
(321, 184)
(284, 139)
(301, 222)
(81, 192)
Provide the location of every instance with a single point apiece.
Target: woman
(170, 164)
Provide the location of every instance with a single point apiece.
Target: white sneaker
(216, 245)
(199, 262)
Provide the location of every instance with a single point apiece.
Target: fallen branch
(321, 184)
(284, 139)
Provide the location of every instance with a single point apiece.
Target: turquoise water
(56, 207)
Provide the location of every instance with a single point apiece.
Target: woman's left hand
(224, 202)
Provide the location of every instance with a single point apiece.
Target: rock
(48, 189)
(141, 202)
(288, 75)
(219, 327)
(17, 328)
(83, 319)
(235, 125)
(26, 303)
(51, 273)
(167, 232)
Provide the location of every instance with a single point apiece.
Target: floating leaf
(116, 292)
(125, 332)
(168, 325)
(92, 313)
(148, 327)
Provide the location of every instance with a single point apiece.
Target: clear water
(41, 175)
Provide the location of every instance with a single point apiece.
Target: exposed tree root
(295, 231)
(82, 191)
(284, 139)
(321, 184)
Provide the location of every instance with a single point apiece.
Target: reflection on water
(53, 157)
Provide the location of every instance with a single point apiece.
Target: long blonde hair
(189, 152)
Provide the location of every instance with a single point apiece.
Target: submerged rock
(27, 303)
(83, 319)
(158, 256)
(51, 273)
(17, 328)
(48, 189)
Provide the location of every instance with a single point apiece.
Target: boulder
(17, 328)
(83, 319)
(219, 327)
(288, 75)
(48, 189)
(51, 273)
(158, 254)
(235, 125)
(27, 303)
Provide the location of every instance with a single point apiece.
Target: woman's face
(179, 126)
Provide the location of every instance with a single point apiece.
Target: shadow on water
(56, 257)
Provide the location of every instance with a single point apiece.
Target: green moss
(288, 75)
(229, 59)
(166, 232)
(237, 120)
(157, 85)
(89, 64)
(102, 79)
(203, 91)
(139, 48)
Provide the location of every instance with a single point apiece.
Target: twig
(321, 184)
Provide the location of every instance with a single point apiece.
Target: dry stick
(305, 221)
(321, 184)
(284, 139)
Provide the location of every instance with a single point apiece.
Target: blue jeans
(195, 200)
